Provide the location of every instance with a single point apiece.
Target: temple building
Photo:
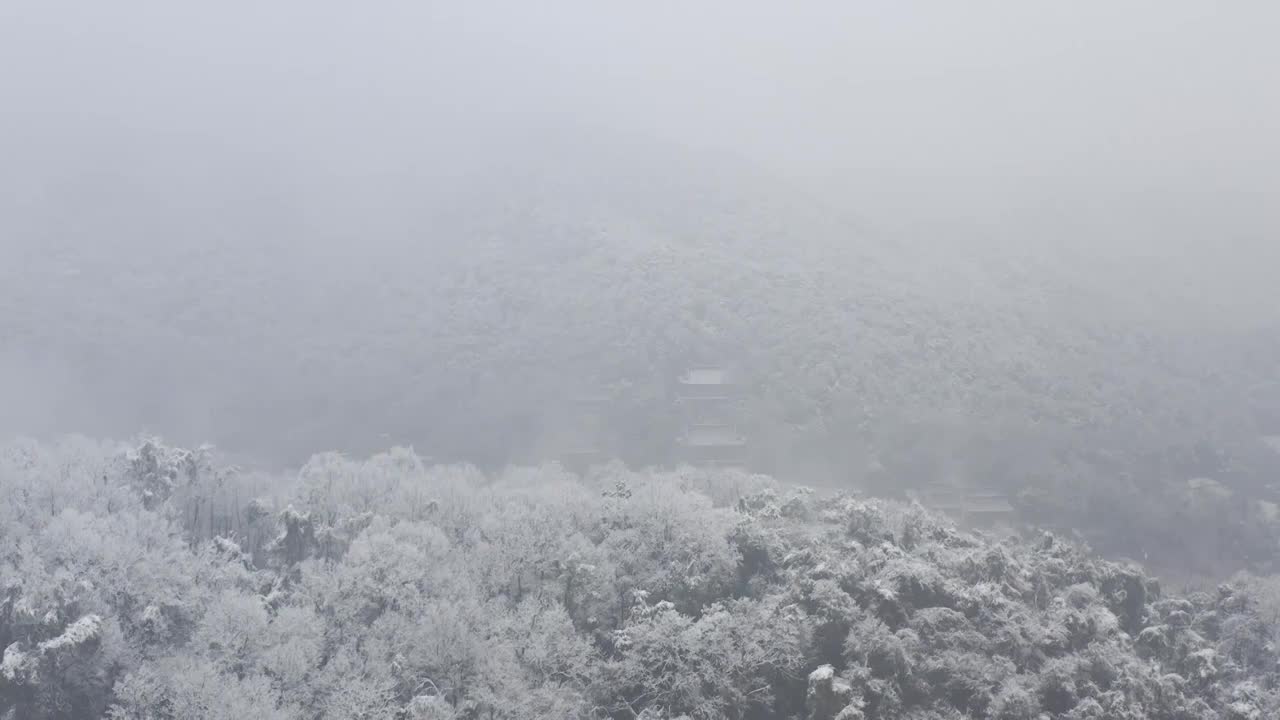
(974, 506)
(708, 401)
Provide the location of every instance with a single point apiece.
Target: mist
(628, 361)
(1126, 151)
(881, 104)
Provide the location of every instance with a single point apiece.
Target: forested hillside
(639, 361)
(152, 582)
(456, 305)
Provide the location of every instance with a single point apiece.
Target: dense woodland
(1114, 381)
(151, 582)
(987, 291)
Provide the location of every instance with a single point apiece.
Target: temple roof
(706, 376)
(712, 436)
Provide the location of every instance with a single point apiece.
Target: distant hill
(454, 297)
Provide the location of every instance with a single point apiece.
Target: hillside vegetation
(455, 307)
(152, 582)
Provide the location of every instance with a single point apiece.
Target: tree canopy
(147, 581)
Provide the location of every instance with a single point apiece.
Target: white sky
(893, 106)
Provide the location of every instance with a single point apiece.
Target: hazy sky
(884, 103)
(1149, 130)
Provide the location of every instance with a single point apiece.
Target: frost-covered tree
(389, 589)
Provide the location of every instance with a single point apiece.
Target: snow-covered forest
(572, 360)
(139, 583)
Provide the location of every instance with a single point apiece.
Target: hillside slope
(454, 302)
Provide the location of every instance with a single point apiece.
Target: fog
(296, 159)
(824, 360)
(889, 107)
(1133, 145)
